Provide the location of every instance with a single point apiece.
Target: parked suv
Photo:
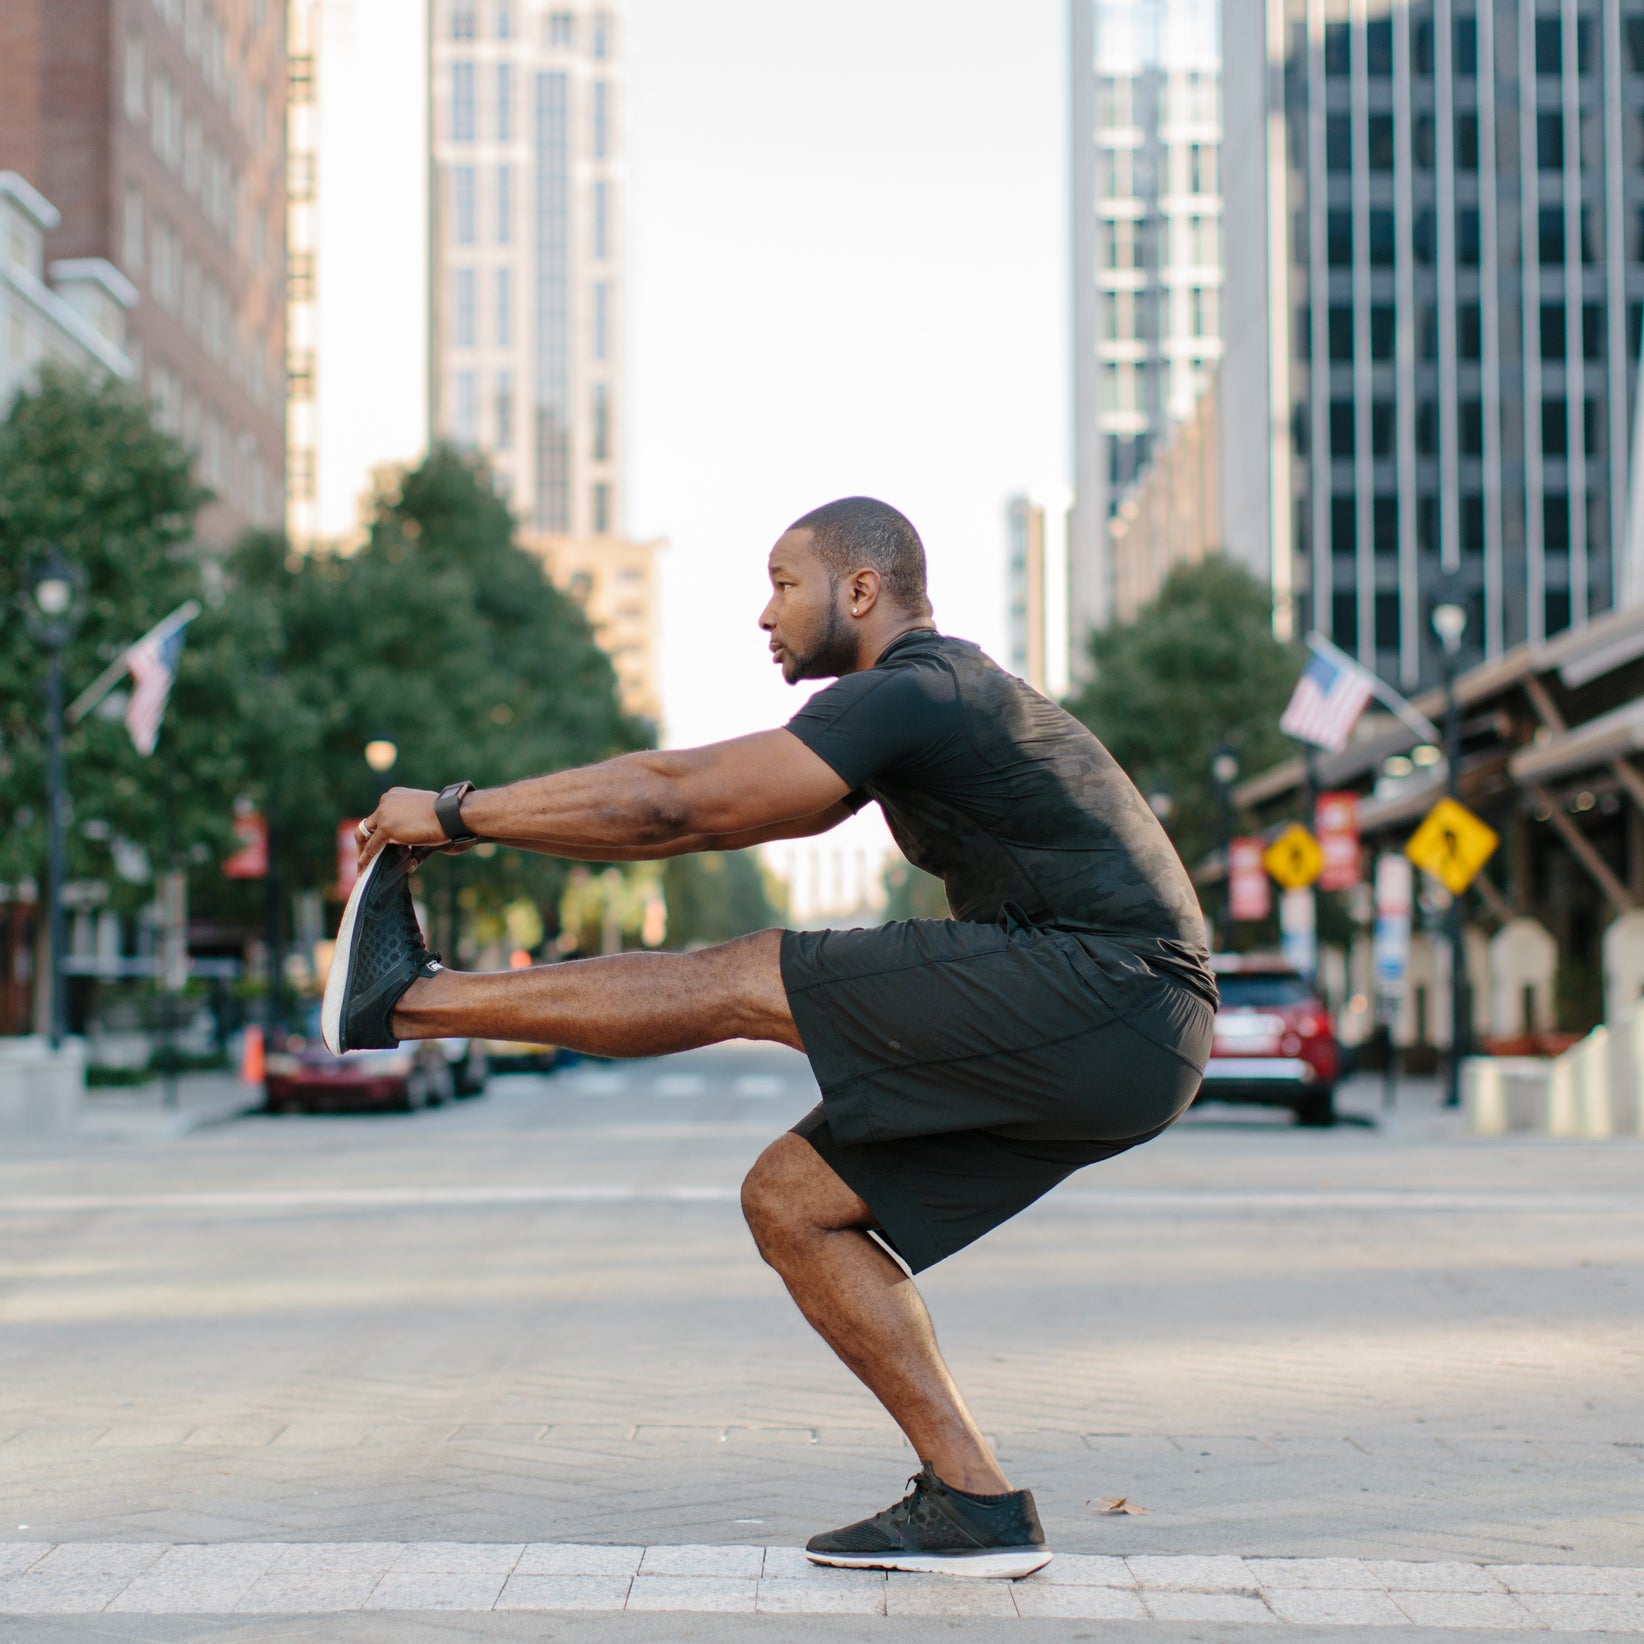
(1274, 1041)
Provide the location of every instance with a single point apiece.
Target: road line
(307, 1578)
(1124, 1200)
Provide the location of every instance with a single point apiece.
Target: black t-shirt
(1007, 798)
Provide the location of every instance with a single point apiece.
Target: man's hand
(404, 816)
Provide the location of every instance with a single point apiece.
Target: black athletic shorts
(967, 1068)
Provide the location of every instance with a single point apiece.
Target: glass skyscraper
(527, 268)
(1147, 230)
(1432, 305)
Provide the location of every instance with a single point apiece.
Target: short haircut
(858, 531)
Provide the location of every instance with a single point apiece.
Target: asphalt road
(537, 1318)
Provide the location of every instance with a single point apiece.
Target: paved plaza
(513, 1370)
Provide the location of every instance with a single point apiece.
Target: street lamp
(380, 755)
(1450, 623)
(52, 583)
(1224, 771)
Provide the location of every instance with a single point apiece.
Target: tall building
(155, 128)
(527, 355)
(1433, 316)
(1146, 246)
(357, 257)
(1025, 589)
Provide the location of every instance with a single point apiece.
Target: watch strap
(448, 809)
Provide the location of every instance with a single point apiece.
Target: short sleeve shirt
(1007, 799)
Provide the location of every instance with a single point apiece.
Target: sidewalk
(144, 1113)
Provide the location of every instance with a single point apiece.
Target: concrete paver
(523, 1345)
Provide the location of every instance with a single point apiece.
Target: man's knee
(792, 1196)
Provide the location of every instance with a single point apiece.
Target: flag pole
(115, 671)
(1384, 693)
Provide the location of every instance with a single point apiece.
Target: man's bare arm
(804, 828)
(645, 804)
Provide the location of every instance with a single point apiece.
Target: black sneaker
(937, 1530)
(379, 954)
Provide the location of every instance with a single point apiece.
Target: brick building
(156, 128)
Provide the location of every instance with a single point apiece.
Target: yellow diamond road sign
(1294, 858)
(1452, 844)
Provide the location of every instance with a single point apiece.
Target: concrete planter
(40, 1089)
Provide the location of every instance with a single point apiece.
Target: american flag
(152, 663)
(1328, 699)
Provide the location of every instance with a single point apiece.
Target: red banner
(1248, 894)
(1336, 826)
(250, 861)
(348, 856)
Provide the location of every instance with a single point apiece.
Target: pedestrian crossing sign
(1453, 845)
(1294, 858)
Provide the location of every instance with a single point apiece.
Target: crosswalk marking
(306, 1578)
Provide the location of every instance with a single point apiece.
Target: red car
(1274, 1041)
(302, 1074)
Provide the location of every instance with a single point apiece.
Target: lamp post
(52, 584)
(1224, 771)
(1450, 623)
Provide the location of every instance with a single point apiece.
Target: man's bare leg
(811, 1228)
(807, 1222)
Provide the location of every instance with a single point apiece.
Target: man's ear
(864, 590)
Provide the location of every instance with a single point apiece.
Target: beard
(833, 652)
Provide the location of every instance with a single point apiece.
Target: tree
(714, 896)
(83, 468)
(1197, 667)
(911, 893)
(440, 635)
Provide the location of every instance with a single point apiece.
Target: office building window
(1557, 610)
(1344, 620)
(505, 19)
(505, 308)
(465, 407)
(1592, 332)
(1550, 238)
(1387, 620)
(1381, 142)
(1555, 427)
(503, 411)
(1549, 46)
(505, 102)
(1550, 140)
(1344, 526)
(1381, 428)
(1378, 48)
(136, 77)
(133, 229)
(1201, 168)
(562, 28)
(601, 510)
(1468, 240)
(1592, 427)
(602, 120)
(1382, 241)
(601, 441)
(464, 309)
(1338, 235)
(1383, 331)
(505, 204)
(549, 427)
(1338, 143)
(602, 321)
(602, 218)
(1340, 325)
(1465, 60)
(1384, 525)
(464, 103)
(1472, 523)
(463, 21)
(1466, 142)
(1555, 522)
(1470, 428)
(464, 211)
(1337, 54)
(602, 34)
(1469, 332)
(1552, 331)
(1341, 428)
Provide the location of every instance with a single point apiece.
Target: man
(966, 1065)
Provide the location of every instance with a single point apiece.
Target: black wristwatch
(448, 808)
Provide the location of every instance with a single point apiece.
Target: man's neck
(871, 650)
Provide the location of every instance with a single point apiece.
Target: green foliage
(714, 896)
(82, 468)
(1198, 666)
(911, 893)
(441, 635)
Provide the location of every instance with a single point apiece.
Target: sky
(847, 274)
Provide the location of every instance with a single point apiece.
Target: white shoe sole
(1007, 1564)
(342, 962)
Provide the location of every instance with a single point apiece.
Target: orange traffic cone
(251, 1057)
